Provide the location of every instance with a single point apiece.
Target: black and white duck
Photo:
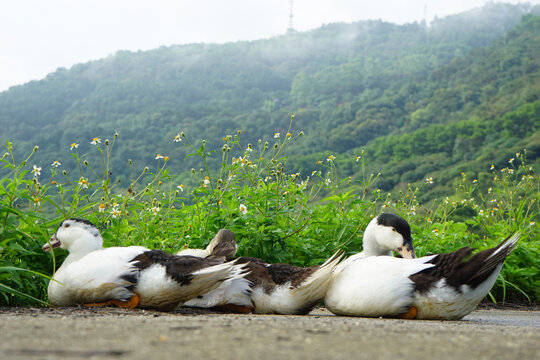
(273, 288)
(131, 276)
(441, 286)
(287, 289)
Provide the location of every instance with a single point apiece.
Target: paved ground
(71, 333)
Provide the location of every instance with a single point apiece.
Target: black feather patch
(84, 221)
(179, 268)
(397, 222)
(271, 275)
(131, 280)
(459, 268)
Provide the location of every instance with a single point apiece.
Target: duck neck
(79, 249)
(372, 247)
(72, 257)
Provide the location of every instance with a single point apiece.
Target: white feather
(444, 302)
(202, 253)
(232, 291)
(374, 286)
(95, 277)
(285, 299)
(510, 243)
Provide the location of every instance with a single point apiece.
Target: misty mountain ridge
(368, 84)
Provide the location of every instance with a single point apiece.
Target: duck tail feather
(210, 278)
(337, 254)
(235, 291)
(499, 254)
(314, 287)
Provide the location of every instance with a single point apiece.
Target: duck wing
(458, 281)
(167, 281)
(460, 268)
(269, 276)
(180, 268)
(234, 291)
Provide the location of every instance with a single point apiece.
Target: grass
(276, 215)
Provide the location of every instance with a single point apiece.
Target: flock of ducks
(371, 283)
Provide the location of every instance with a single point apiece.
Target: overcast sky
(38, 36)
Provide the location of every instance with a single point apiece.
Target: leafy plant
(276, 214)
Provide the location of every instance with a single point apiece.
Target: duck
(285, 289)
(273, 288)
(129, 277)
(441, 286)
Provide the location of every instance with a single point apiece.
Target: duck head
(386, 233)
(77, 236)
(223, 245)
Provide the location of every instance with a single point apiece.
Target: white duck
(442, 286)
(272, 288)
(128, 276)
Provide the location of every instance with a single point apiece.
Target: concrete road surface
(109, 333)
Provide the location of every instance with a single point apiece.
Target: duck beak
(407, 250)
(52, 243)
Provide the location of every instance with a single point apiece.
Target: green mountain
(422, 101)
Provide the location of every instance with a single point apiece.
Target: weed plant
(276, 214)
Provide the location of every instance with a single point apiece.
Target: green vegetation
(273, 213)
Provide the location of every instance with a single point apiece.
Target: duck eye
(66, 225)
(393, 229)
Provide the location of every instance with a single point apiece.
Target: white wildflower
(243, 209)
(36, 171)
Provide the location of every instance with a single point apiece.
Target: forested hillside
(421, 100)
(476, 111)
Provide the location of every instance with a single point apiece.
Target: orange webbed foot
(410, 314)
(130, 304)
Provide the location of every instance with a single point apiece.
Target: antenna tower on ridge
(290, 16)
